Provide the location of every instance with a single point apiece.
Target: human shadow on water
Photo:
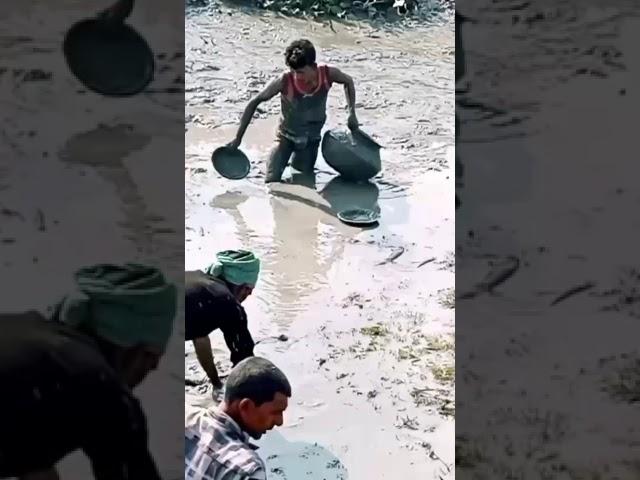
(299, 460)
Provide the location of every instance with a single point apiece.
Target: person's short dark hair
(300, 54)
(257, 379)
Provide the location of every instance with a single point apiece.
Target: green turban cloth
(126, 304)
(239, 267)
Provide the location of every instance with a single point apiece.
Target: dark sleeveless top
(304, 113)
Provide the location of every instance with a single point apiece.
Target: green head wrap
(126, 304)
(238, 267)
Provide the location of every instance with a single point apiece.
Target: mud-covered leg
(304, 160)
(278, 160)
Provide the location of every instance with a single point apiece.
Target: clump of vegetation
(357, 8)
(448, 408)
(422, 346)
(626, 294)
(443, 373)
(447, 298)
(329, 8)
(439, 344)
(623, 383)
(376, 330)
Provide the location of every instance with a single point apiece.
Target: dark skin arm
(270, 91)
(237, 336)
(240, 344)
(117, 440)
(338, 76)
(205, 358)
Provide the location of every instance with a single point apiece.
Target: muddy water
(554, 122)
(67, 154)
(349, 300)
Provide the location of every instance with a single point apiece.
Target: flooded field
(564, 312)
(367, 314)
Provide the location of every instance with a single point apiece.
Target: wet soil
(367, 313)
(67, 154)
(565, 316)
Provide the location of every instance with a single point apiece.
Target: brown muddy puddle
(361, 308)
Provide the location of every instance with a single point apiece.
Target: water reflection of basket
(352, 155)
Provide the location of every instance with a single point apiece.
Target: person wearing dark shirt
(67, 380)
(213, 300)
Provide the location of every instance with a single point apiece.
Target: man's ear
(246, 405)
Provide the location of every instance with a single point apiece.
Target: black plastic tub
(354, 155)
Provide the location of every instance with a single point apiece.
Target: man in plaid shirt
(217, 443)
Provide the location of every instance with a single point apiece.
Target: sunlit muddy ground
(368, 313)
(96, 158)
(568, 179)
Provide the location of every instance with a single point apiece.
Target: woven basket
(353, 156)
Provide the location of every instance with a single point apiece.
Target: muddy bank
(568, 288)
(367, 313)
(407, 12)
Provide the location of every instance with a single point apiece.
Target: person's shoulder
(226, 449)
(197, 280)
(259, 474)
(241, 458)
(331, 71)
(194, 416)
(283, 80)
(193, 276)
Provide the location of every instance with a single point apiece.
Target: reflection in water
(305, 238)
(230, 202)
(300, 460)
(296, 266)
(290, 264)
(108, 147)
(297, 262)
(343, 194)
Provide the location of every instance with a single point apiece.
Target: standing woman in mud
(67, 381)
(303, 94)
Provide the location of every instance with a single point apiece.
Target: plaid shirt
(216, 448)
